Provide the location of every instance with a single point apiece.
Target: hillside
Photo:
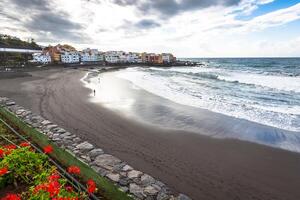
(8, 41)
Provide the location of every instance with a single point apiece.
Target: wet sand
(200, 166)
(130, 100)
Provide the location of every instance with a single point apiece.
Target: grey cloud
(139, 26)
(131, 29)
(49, 22)
(43, 21)
(125, 2)
(41, 5)
(58, 25)
(8, 16)
(146, 24)
(102, 30)
(172, 7)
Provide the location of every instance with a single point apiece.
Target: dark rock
(85, 146)
(147, 180)
(136, 190)
(106, 161)
(95, 152)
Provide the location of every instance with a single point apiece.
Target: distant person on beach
(94, 92)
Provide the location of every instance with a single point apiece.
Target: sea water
(262, 90)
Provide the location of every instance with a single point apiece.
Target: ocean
(262, 90)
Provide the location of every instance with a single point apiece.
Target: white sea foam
(198, 93)
(284, 83)
(276, 82)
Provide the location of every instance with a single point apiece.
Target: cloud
(147, 23)
(229, 24)
(184, 27)
(57, 25)
(42, 20)
(31, 4)
(8, 17)
(167, 8)
(272, 19)
(138, 27)
(246, 7)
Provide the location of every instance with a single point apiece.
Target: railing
(63, 173)
(15, 50)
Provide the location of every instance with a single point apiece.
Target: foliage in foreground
(107, 189)
(25, 166)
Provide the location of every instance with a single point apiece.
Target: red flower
(48, 149)
(25, 144)
(3, 171)
(54, 177)
(12, 197)
(10, 147)
(40, 187)
(1, 153)
(53, 188)
(74, 170)
(91, 186)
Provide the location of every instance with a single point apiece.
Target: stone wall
(136, 183)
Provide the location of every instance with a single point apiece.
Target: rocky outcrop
(139, 185)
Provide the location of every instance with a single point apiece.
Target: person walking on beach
(94, 92)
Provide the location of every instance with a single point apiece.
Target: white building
(91, 55)
(123, 57)
(113, 56)
(167, 58)
(44, 58)
(134, 58)
(70, 57)
(101, 56)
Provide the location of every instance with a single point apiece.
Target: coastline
(197, 165)
(136, 103)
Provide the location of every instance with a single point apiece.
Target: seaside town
(67, 54)
(15, 52)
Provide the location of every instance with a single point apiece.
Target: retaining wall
(139, 185)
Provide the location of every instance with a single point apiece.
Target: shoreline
(199, 166)
(117, 93)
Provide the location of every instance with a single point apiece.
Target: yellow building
(144, 57)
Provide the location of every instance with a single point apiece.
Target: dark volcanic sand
(202, 167)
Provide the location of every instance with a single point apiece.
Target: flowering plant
(12, 197)
(54, 187)
(91, 186)
(74, 170)
(21, 165)
(24, 164)
(48, 149)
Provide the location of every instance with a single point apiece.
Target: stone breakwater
(137, 184)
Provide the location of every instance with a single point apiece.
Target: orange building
(55, 51)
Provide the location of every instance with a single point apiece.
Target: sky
(186, 28)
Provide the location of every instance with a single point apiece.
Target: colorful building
(68, 54)
(70, 57)
(91, 55)
(43, 58)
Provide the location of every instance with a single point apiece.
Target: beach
(195, 164)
